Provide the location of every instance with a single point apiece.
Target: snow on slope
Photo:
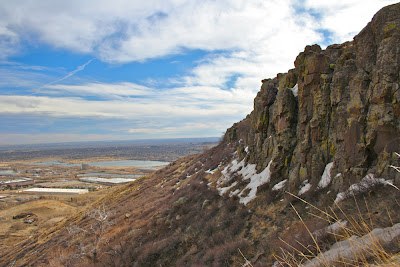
(364, 185)
(279, 185)
(246, 172)
(256, 180)
(295, 90)
(326, 176)
(304, 187)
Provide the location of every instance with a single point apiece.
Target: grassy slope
(173, 218)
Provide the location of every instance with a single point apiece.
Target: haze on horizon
(121, 70)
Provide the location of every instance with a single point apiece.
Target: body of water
(57, 163)
(141, 164)
(110, 175)
(7, 172)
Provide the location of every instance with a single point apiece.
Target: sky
(90, 70)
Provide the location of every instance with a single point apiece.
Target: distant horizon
(123, 69)
(114, 142)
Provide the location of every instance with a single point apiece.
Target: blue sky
(119, 70)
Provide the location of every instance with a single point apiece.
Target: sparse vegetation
(99, 222)
(191, 233)
(346, 240)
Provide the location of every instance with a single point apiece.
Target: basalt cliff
(315, 152)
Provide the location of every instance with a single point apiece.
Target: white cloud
(183, 129)
(12, 78)
(39, 138)
(246, 41)
(259, 38)
(169, 112)
(195, 96)
(8, 42)
(122, 31)
(112, 90)
(175, 103)
(126, 30)
(345, 18)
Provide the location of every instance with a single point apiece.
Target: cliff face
(339, 105)
(325, 130)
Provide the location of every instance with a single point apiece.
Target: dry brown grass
(48, 213)
(153, 223)
(312, 244)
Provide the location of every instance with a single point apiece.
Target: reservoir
(141, 164)
(7, 172)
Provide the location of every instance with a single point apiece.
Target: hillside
(316, 150)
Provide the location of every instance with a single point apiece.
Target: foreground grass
(348, 240)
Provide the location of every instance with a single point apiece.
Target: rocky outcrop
(339, 105)
(348, 250)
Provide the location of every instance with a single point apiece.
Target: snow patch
(246, 149)
(223, 190)
(279, 185)
(366, 183)
(232, 167)
(226, 177)
(326, 176)
(234, 193)
(304, 187)
(209, 171)
(256, 180)
(295, 90)
(248, 172)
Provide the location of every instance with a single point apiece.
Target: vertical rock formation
(337, 105)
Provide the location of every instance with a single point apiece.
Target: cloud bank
(242, 41)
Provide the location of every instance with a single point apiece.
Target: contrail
(70, 74)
